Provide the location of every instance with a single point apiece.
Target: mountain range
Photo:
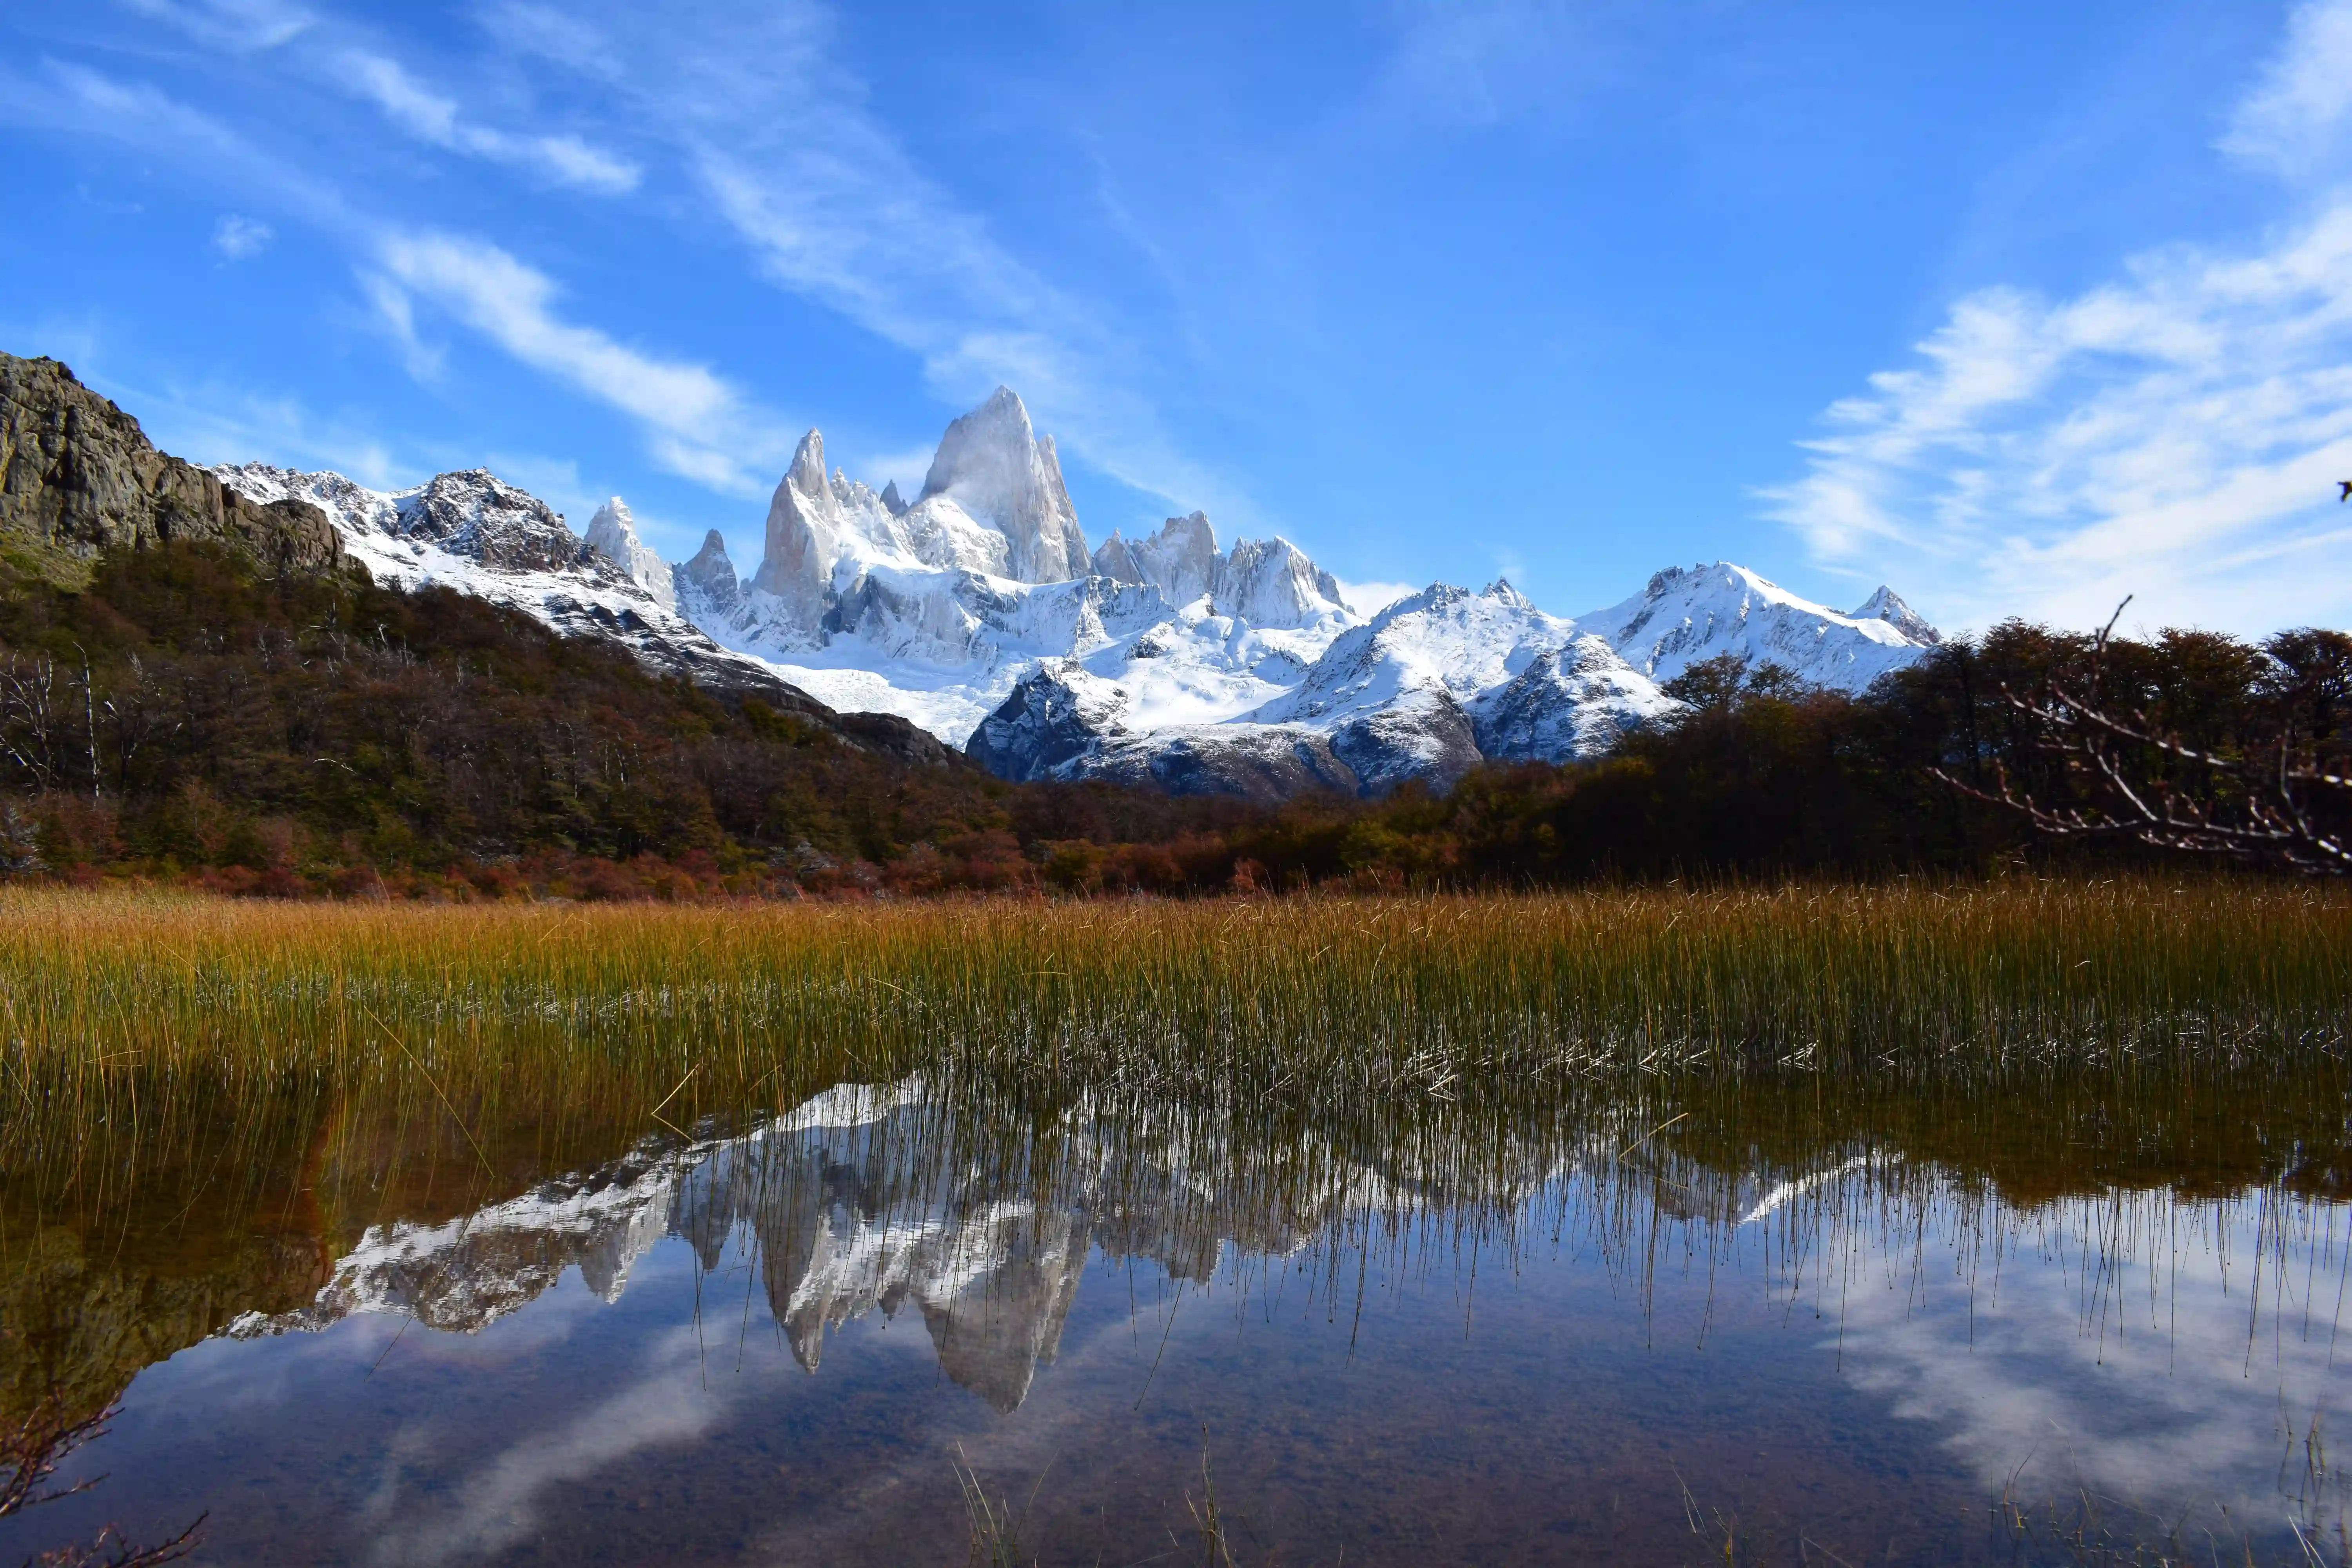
(977, 612)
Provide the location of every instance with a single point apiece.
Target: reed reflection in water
(1490, 1332)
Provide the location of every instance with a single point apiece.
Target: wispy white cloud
(395, 315)
(698, 424)
(2294, 120)
(783, 142)
(412, 106)
(76, 100)
(552, 34)
(237, 238)
(365, 71)
(220, 421)
(1474, 62)
(2175, 433)
(907, 466)
(435, 118)
(241, 25)
(501, 1499)
(1371, 598)
(2118, 1352)
(781, 135)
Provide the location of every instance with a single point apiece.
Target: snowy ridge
(1168, 660)
(473, 532)
(1688, 614)
(936, 610)
(976, 613)
(613, 534)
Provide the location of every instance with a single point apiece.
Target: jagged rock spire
(613, 532)
(993, 465)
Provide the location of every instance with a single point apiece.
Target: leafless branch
(2265, 818)
(29, 1456)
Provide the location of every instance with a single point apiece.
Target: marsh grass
(1433, 1085)
(141, 1031)
(1438, 993)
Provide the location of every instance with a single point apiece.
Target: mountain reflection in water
(1520, 1333)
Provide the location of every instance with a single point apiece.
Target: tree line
(185, 717)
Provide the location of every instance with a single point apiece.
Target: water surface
(1629, 1323)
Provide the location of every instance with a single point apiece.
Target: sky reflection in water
(1524, 1340)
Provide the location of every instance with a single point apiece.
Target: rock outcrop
(1053, 718)
(1263, 762)
(708, 592)
(78, 479)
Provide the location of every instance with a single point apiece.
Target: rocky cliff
(78, 478)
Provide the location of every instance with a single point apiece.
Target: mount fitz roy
(977, 612)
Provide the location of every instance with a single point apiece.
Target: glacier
(978, 613)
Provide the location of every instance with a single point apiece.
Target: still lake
(1777, 1322)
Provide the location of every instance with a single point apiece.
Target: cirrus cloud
(2175, 433)
(433, 116)
(237, 238)
(697, 423)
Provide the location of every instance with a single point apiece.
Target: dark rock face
(1061, 723)
(476, 514)
(1049, 720)
(78, 478)
(1432, 740)
(1267, 765)
(1567, 704)
(891, 736)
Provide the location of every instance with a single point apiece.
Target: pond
(1768, 1318)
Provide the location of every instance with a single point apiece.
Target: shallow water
(1620, 1326)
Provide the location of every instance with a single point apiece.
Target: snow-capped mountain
(614, 533)
(1266, 583)
(1689, 613)
(976, 613)
(1412, 694)
(935, 610)
(473, 532)
(979, 613)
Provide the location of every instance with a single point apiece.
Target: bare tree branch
(2262, 816)
(30, 1455)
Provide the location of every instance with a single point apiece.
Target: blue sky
(2019, 308)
